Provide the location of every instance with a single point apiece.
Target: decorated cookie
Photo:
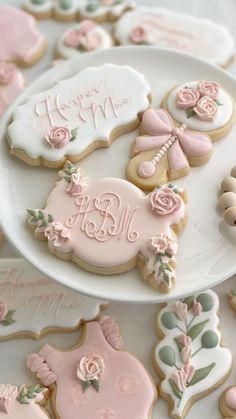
(105, 10)
(78, 115)
(201, 106)
(108, 226)
(158, 26)
(23, 402)
(11, 84)
(23, 43)
(227, 200)
(165, 152)
(228, 403)
(86, 36)
(189, 358)
(95, 379)
(32, 305)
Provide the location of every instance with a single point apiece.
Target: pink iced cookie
(23, 43)
(23, 402)
(11, 84)
(95, 380)
(109, 226)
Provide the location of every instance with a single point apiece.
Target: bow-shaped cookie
(166, 152)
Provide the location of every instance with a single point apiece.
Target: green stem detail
(196, 352)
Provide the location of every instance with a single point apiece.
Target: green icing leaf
(67, 179)
(86, 384)
(167, 355)
(92, 7)
(169, 320)
(9, 318)
(65, 4)
(175, 389)
(190, 112)
(196, 329)
(209, 339)
(189, 301)
(200, 374)
(31, 212)
(96, 385)
(74, 133)
(180, 346)
(218, 103)
(206, 301)
(50, 218)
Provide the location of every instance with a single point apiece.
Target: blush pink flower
(164, 201)
(3, 310)
(72, 38)
(91, 41)
(183, 376)
(90, 368)
(181, 310)
(209, 88)
(8, 395)
(161, 244)
(8, 73)
(185, 340)
(86, 26)
(186, 355)
(58, 137)
(57, 233)
(138, 35)
(196, 308)
(187, 98)
(206, 109)
(77, 184)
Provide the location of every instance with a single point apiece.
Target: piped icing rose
(57, 233)
(138, 35)
(91, 41)
(164, 201)
(187, 98)
(161, 244)
(8, 395)
(3, 310)
(58, 137)
(72, 38)
(181, 310)
(206, 109)
(77, 184)
(183, 376)
(90, 368)
(209, 88)
(84, 37)
(8, 73)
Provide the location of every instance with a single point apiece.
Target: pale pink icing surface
(22, 40)
(126, 390)
(25, 411)
(8, 92)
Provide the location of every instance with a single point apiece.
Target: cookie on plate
(23, 43)
(202, 106)
(32, 305)
(78, 115)
(164, 28)
(228, 403)
(108, 226)
(11, 84)
(227, 200)
(105, 10)
(26, 402)
(164, 152)
(95, 379)
(189, 357)
(86, 36)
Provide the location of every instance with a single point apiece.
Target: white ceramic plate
(207, 246)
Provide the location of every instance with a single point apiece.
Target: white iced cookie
(32, 305)
(189, 357)
(158, 26)
(86, 36)
(202, 106)
(78, 115)
(227, 200)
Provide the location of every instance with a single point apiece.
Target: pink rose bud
(187, 98)
(206, 109)
(72, 38)
(186, 355)
(181, 310)
(164, 201)
(58, 137)
(209, 88)
(138, 35)
(196, 308)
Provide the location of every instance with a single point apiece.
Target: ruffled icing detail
(111, 332)
(40, 368)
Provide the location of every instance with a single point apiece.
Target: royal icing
(22, 402)
(178, 144)
(166, 29)
(22, 44)
(98, 8)
(32, 304)
(84, 37)
(91, 105)
(189, 357)
(227, 200)
(109, 222)
(95, 381)
(11, 84)
(186, 103)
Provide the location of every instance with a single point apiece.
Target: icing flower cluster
(84, 38)
(90, 370)
(8, 395)
(6, 315)
(8, 73)
(201, 101)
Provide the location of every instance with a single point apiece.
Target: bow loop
(157, 122)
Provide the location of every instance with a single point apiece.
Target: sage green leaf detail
(74, 133)
(190, 112)
(200, 374)
(96, 385)
(175, 389)
(38, 1)
(180, 346)
(65, 4)
(195, 330)
(8, 319)
(206, 301)
(167, 355)
(50, 218)
(86, 384)
(92, 7)
(169, 320)
(29, 393)
(189, 301)
(218, 103)
(209, 339)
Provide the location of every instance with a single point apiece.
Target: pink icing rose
(183, 376)
(161, 243)
(164, 201)
(58, 137)
(8, 395)
(3, 310)
(90, 368)
(206, 109)
(138, 35)
(91, 41)
(181, 310)
(86, 26)
(8, 73)
(187, 98)
(57, 233)
(196, 308)
(209, 88)
(186, 355)
(72, 38)
(77, 184)
(185, 340)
